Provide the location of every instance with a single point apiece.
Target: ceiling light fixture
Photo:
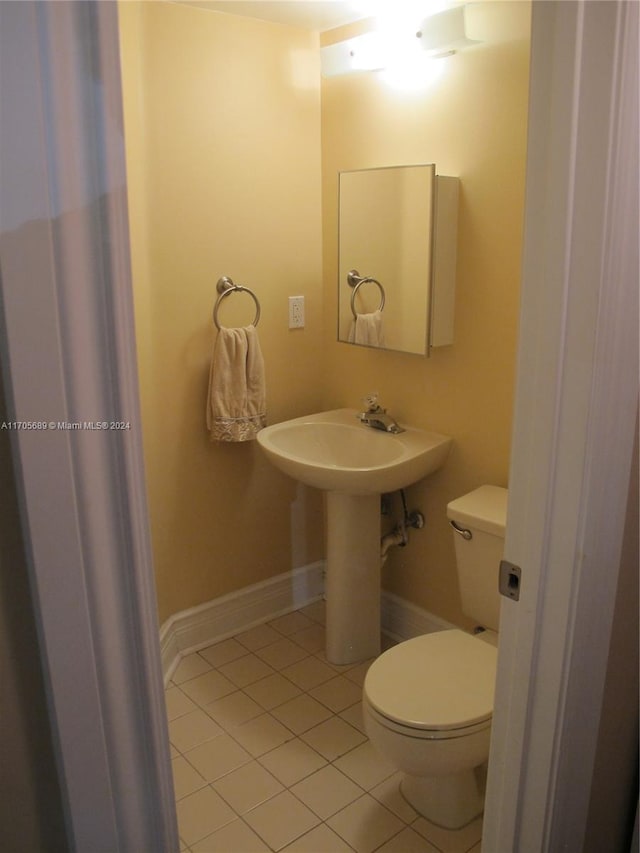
(439, 35)
(362, 53)
(445, 33)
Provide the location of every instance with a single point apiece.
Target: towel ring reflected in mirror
(355, 280)
(225, 287)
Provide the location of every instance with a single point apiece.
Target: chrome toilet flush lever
(376, 417)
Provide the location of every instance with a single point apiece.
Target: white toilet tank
(482, 514)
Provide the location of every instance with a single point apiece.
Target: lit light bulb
(412, 72)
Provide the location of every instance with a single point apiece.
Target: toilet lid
(443, 680)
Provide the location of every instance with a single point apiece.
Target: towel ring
(355, 280)
(225, 287)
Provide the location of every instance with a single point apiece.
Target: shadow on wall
(30, 804)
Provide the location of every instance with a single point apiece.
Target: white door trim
(68, 350)
(575, 420)
(83, 493)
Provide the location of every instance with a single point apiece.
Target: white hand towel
(367, 329)
(236, 404)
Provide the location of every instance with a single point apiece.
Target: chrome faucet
(377, 418)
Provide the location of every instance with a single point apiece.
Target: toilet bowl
(428, 702)
(427, 707)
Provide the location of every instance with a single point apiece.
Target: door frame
(69, 361)
(66, 282)
(574, 422)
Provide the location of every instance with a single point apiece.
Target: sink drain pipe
(400, 534)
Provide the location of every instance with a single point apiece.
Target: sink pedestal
(353, 464)
(353, 577)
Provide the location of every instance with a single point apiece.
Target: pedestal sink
(353, 464)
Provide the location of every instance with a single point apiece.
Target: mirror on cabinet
(397, 257)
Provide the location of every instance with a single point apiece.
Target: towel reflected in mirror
(367, 329)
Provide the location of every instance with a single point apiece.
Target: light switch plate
(296, 312)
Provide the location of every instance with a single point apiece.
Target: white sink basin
(333, 451)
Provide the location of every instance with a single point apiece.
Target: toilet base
(450, 801)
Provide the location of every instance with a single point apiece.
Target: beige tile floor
(269, 752)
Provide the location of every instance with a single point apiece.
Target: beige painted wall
(224, 128)
(222, 122)
(472, 124)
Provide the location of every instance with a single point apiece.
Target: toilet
(428, 702)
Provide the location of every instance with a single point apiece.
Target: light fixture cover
(444, 32)
(361, 53)
(438, 35)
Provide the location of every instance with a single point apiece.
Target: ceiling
(317, 15)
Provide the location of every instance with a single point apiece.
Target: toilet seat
(435, 686)
(424, 733)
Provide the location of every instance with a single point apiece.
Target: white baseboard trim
(402, 620)
(199, 627)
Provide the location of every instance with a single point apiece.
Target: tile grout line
(227, 727)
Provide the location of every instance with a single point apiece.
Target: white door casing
(69, 358)
(575, 420)
(66, 285)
